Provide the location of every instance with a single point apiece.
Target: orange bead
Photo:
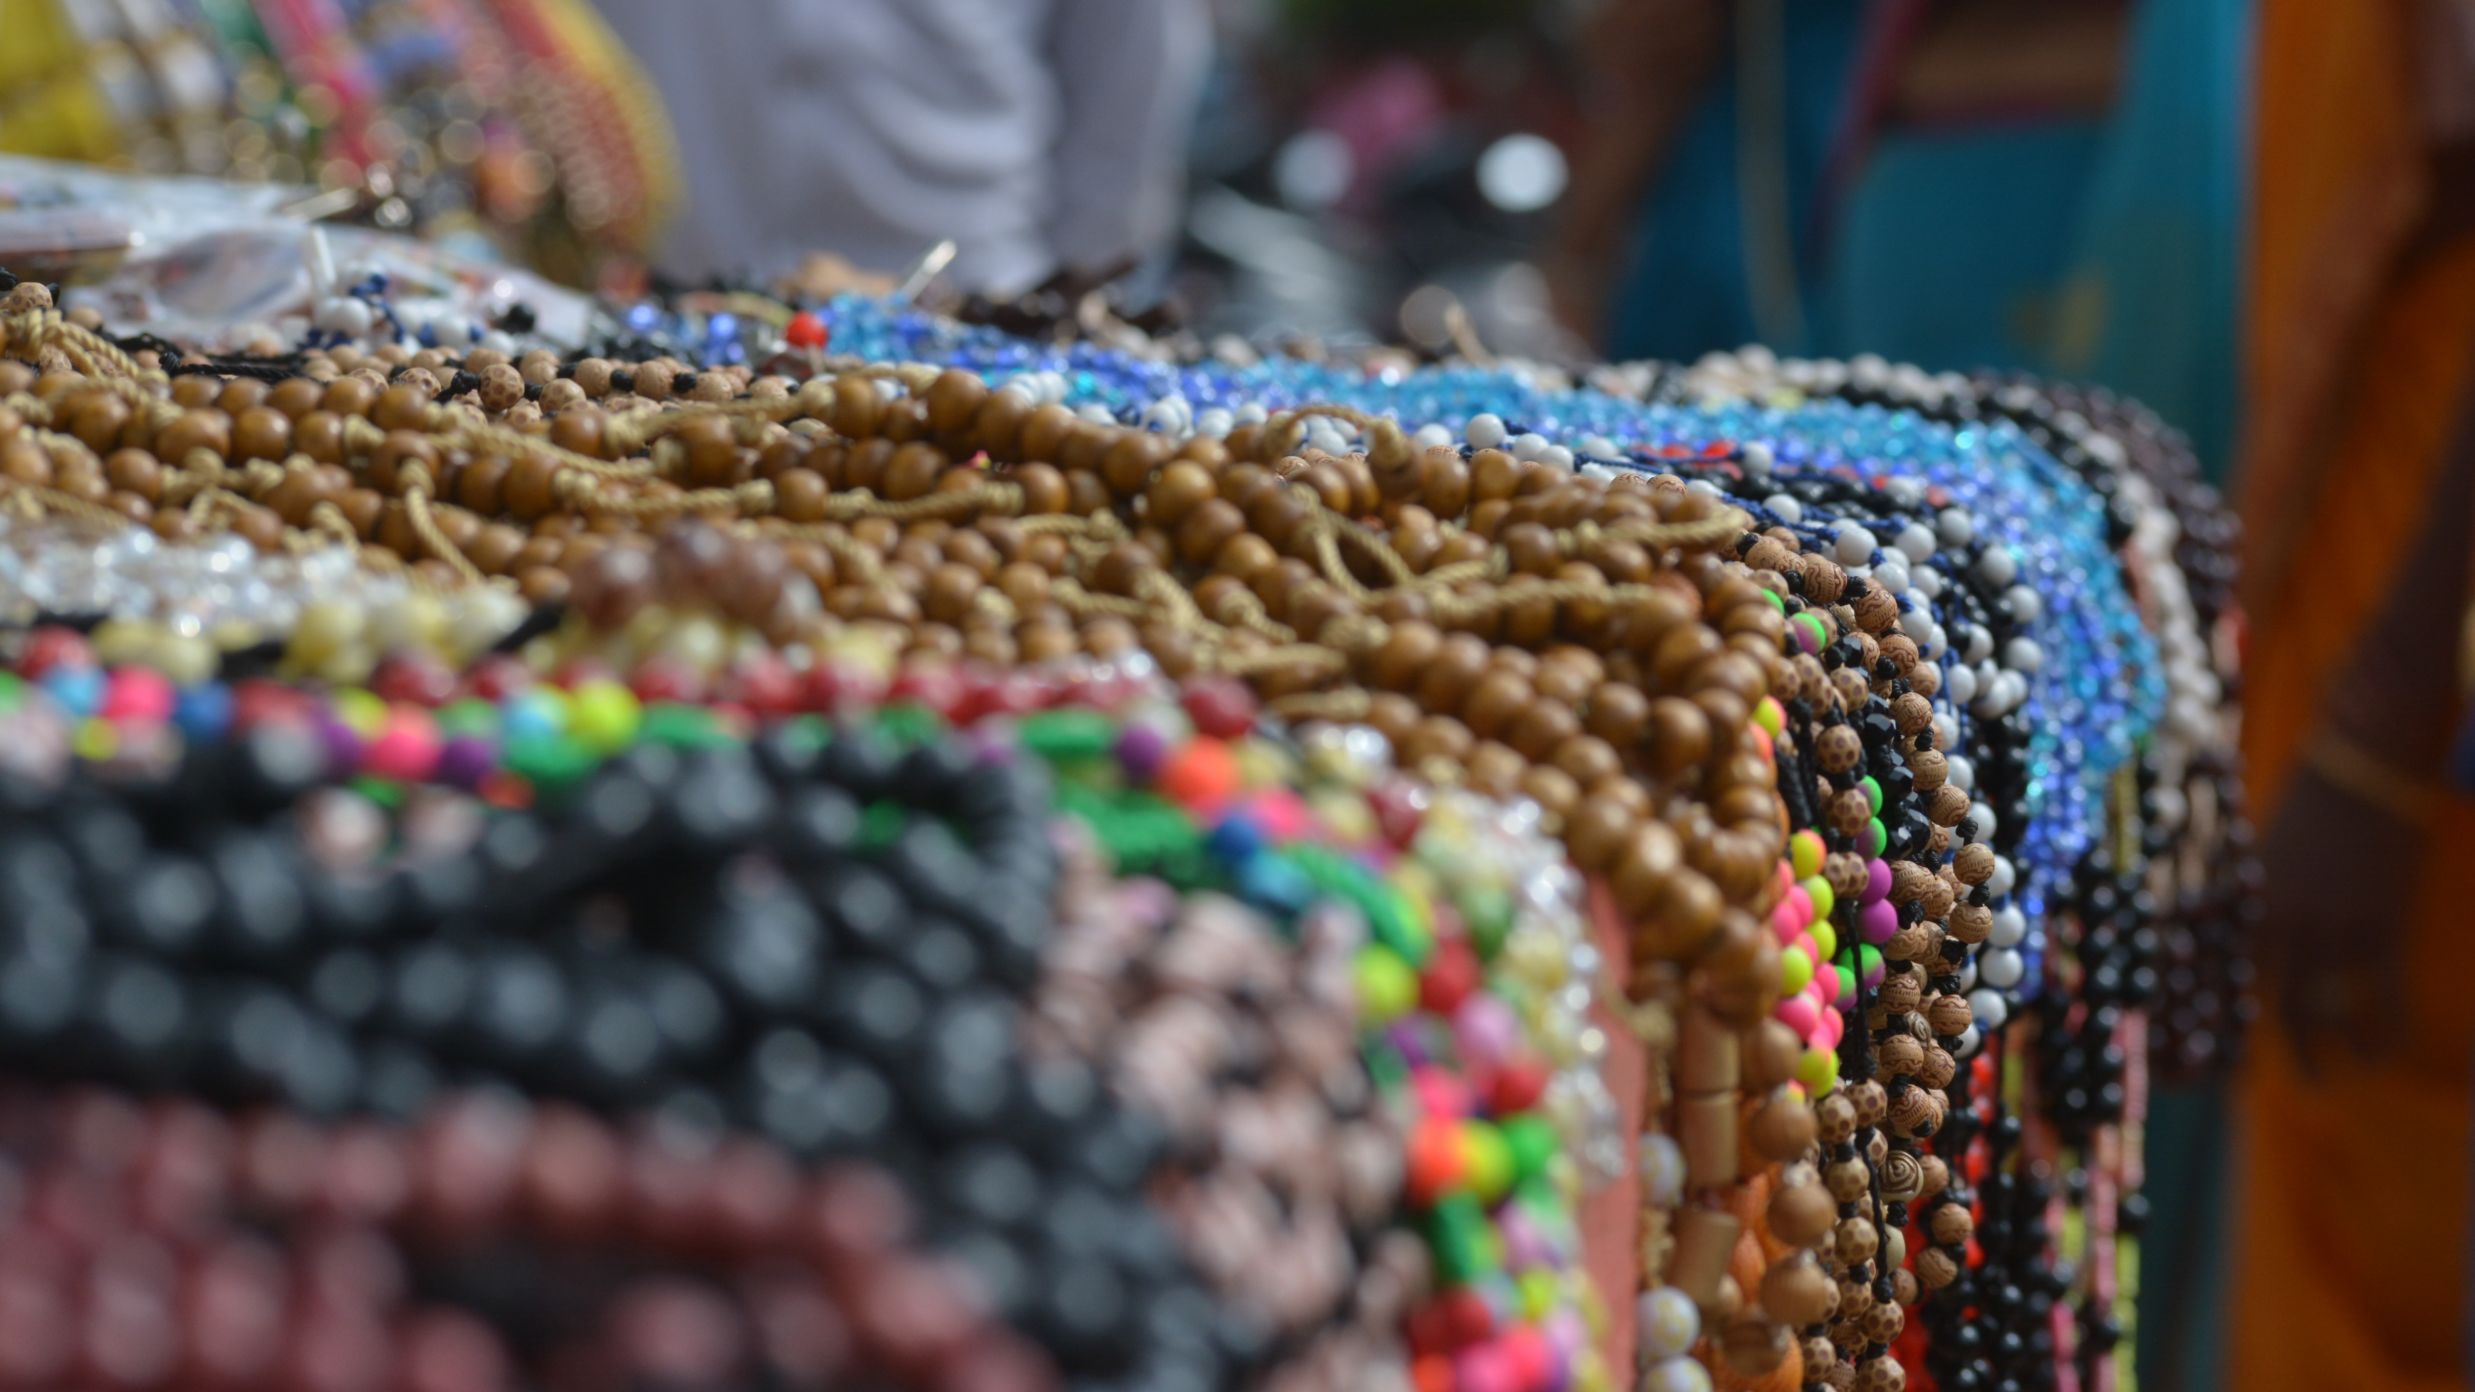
(1434, 1159)
(1203, 774)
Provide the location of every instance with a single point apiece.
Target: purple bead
(1878, 921)
(1524, 1246)
(342, 745)
(1486, 1029)
(465, 760)
(1140, 750)
(1877, 880)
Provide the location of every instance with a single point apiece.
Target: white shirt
(1034, 133)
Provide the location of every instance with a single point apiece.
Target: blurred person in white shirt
(1037, 135)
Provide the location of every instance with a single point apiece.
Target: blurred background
(2256, 215)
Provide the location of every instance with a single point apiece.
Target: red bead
(259, 702)
(449, 1351)
(806, 330)
(339, 1351)
(1010, 693)
(1451, 974)
(658, 679)
(575, 1177)
(497, 678)
(578, 670)
(414, 680)
(751, 1194)
(855, 1215)
(935, 685)
(1429, 1328)
(54, 646)
(1470, 1320)
(1221, 707)
(833, 689)
(764, 683)
(234, 1307)
(365, 1179)
(1397, 814)
(1516, 1087)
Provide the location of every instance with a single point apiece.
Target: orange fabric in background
(2351, 1237)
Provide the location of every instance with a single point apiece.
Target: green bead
(1386, 1067)
(1875, 837)
(551, 763)
(12, 690)
(1488, 913)
(1457, 1232)
(1066, 736)
(468, 717)
(1812, 625)
(385, 792)
(1533, 1145)
(1775, 601)
(682, 726)
(882, 822)
(1873, 793)
(909, 724)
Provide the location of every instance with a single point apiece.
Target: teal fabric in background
(2105, 251)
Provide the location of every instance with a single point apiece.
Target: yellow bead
(362, 711)
(345, 665)
(695, 642)
(325, 626)
(185, 658)
(1818, 1070)
(122, 642)
(415, 623)
(95, 739)
(1537, 958)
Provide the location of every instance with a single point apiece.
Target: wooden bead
(1799, 1214)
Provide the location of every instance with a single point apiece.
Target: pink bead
(1877, 881)
(1787, 878)
(1798, 896)
(1834, 1025)
(137, 693)
(1531, 1356)
(1484, 1368)
(1878, 921)
(1282, 814)
(1486, 1029)
(1813, 950)
(1440, 1093)
(1785, 925)
(406, 748)
(1797, 1012)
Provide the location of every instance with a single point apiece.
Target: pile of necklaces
(824, 845)
(516, 124)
